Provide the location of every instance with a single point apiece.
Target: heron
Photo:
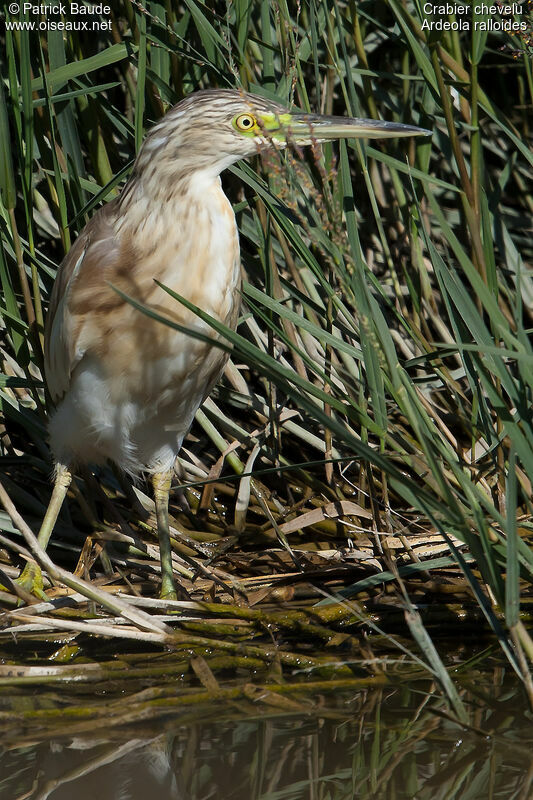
(125, 388)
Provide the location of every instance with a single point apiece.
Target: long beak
(306, 128)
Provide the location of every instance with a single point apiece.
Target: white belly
(139, 420)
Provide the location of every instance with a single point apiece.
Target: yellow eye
(245, 122)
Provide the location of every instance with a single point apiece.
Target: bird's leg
(30, 577)
(161, 483)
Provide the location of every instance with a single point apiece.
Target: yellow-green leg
(161, 483)
(30, 577)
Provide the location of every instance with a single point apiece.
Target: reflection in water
(395, 744)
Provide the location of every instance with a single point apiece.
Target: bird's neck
(155, 203)
(163, 184)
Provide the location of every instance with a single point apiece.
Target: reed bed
(363, 470)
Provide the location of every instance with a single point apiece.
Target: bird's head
(210, 130)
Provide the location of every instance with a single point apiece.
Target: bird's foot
(31, 581)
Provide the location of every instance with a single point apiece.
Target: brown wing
(96, 247)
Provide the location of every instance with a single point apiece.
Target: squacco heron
(126, 387)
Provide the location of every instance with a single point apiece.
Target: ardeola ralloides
(126, 387)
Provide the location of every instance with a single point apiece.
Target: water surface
(388, 742)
